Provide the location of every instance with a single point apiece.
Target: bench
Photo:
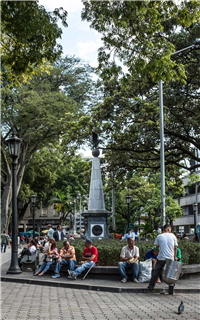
(29, 262)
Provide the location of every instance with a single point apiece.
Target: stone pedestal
(96, 224)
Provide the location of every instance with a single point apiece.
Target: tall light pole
(14, 149)
(75, 215)
(128, 201)
(113, 202)
(79, 196)
(162, 149)
(33, 201)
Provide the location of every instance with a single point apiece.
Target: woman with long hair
(50, 257)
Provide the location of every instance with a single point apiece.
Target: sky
(78, 38)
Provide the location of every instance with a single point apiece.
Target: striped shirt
(70, 251)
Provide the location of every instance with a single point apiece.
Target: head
(167, 228)
(88, 243)
(32, 242)
(153, 250)
(66, 244)
(128, 231)
(135, 228)
(53, 244)
(48, 226)
(59, 228)
(36, 240)
(4, 231)
(131, 242)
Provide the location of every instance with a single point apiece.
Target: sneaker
(57, 275)
(124, 280)
(69, 277)
(135, 280)
(69, 273)
(73, 275)
(150, 288)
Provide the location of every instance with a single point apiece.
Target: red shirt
(89, 252)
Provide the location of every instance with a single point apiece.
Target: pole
(162, 155)
(113, 202)
(128, 216)
(80, 213)
(14, 266)
(33, 204)
(75, 215)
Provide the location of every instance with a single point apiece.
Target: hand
(175, 259)
(82, 262)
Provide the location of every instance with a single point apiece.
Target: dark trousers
(156, 273)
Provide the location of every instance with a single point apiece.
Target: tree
(142, 35)
(28, 38)
(40, 115)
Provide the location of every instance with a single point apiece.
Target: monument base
(96, 226)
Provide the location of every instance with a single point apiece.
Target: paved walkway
(31, 302)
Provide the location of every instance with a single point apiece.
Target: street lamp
(79, 196)
(162, 155)
(194, 206)
(33, 201)
(14, 149)
(128, 201)
(75, 214)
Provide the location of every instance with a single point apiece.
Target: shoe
(36, 274)
(69, 277)
(69, 273)
(150, 288)
(135, 280)
(41, 274)
(73, 275)
(124, 280)
(56, 276)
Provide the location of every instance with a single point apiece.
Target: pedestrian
(128, 234)
(136, 232)
(89, 259)
(50, 232)
(4, 241)
(129, 259)
(58, 234)
(167, 244)
(66, 258)
(195, 238)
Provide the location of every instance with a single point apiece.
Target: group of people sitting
(166, 247)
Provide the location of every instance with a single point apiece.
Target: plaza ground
(22, 299)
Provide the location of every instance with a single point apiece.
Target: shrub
(109, 250)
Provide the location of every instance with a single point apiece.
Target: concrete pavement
(22, 301)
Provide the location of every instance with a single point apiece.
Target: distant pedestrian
(50, 232)
(58, 234)
(195, 238)
(128, 234)
(168, 250)
(136, 232)
(4, 241)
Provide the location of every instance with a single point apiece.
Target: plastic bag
(145, 271)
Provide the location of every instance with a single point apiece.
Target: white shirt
(46, 246)
(166, 242)
(59, 235)
(32, 249)
(129, 235)
(127, 253)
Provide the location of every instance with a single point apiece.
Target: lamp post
(79, 196)
(14, 149)
(194, 206)
(162, 155)
(128, 201)
(75, 215)
(33, 200)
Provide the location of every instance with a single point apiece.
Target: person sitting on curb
(151, 254)
(129, 259)
(89, 259)
(67, 258)
(50, 257)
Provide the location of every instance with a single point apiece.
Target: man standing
(129, 256)
(67, 258)
(129, 234)
(168, 250)
(90, 255)
(50, 232)
(58, 234)
(136, 232)
(4, 241)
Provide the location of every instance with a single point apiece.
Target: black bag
(25, 251)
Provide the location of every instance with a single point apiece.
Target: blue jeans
(71, 263)
(45, 266)
(84, 266)
(3, 245)
(124, 265)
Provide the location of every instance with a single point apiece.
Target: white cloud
(68, 5)
(88, 50)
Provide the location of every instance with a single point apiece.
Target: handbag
(47, 259)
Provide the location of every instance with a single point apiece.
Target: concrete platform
(109, 285)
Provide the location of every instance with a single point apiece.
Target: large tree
(28, 38)
(139, 38)
(41, 113)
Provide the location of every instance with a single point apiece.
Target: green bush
(109, 250)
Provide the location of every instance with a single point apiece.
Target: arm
(136, 258)
(88, 258)
(157, 249)
(175, 253)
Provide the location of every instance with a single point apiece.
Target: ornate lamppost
(33, 201)
(14, 149)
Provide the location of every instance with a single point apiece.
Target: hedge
(109, 250)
